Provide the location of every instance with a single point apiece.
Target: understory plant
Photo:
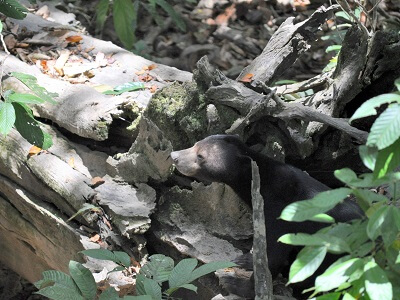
(15, 112)
(158, 272)
(125, 16)
(369, 263)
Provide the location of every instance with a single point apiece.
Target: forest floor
(233, 33)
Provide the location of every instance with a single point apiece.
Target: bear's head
(218, 158)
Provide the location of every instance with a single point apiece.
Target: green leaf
(85, 207)
(307, 209)
(390, 225)
(347, 296)
(337, 275)
(7, 117)
(330, 296)
(385, 130)
(387, 160)
(374, 227)
(124, 15)
(332, 243)
(109, 294)
(176, 17)
(146, 286)
(377, 284)
(182, 272)
(59, 278)
(158, 268)
(284, 81)
(397, 84)
(346, 175)
(323, 218)
(123, 258)
(144, 297)
(58, 292)
(126, 87)
(307, 262)
(331, 65)
(366, 180)
(209, 268)
(151, 8)
(368, 156)
(101, 14)
(12, 9)
(31, 82)
(189, 286)
(83, 279)
(367, 197)
(25, 98)
(344, 15)
(29, 128)
(103, 254)
(368, 108)
(333, 48)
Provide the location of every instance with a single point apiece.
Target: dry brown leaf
(153, 89)
(141, 72)
(74, 39)
(96, 181)
(301, 5)
(107, 222)
(145, 78)
(224, 18)
(247, 78)
(10, 41)
(44, 12)
(95, 238)
(61, 61)
(34, 150)
(43, 64)
(102, 88)
(71, 162)
(152, 66)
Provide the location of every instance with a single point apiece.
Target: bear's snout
(175, 156)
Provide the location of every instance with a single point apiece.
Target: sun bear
(226, 159)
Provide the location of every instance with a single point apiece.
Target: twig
(345, 7)
(293, 110)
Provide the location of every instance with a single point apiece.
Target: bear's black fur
(224, 158)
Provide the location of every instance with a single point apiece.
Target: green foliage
(57, 285)
(31, 82)
(161, 269)
(101, 14)
(120, 258)
(126, 87)
(15, 112)
(158, 270)
(125, 16)
(85, 207)
(12, 9)
(370, 268)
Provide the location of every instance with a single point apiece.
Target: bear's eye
(200, 157)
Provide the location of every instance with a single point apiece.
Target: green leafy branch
(80, 283)
(370, 265)
(15, 112)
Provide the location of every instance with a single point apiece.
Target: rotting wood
(262, 275)
(285, 46)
